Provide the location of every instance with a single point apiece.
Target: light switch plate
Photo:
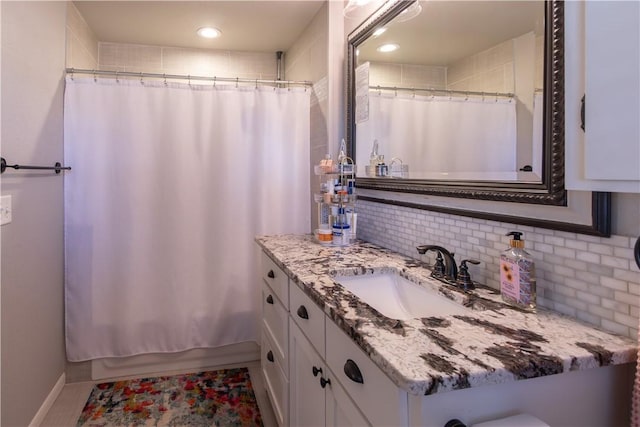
(5, 210)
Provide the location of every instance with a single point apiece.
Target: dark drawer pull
(316, 371)
(352, 371)
(270, 299)
(323, 382)
(271, 274)
(270, 356)
(302, 312)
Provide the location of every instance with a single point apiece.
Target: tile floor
(68, 406)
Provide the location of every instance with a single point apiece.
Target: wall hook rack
(57, 167)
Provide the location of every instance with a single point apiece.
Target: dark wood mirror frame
(551, 189)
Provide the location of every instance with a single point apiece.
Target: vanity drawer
(275, 323)
(275, 382)
(308, 316)
(377, 396)
(275, 278)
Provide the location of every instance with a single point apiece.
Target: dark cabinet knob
(270, 356)
(316, 371)
(323, 382)
(455, 423)
(352, 371)
(271, 274)
(302, 312)
(270, 299)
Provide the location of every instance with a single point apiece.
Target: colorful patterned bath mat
(216, 398)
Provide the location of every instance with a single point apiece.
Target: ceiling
(257, 26)
(446, 31)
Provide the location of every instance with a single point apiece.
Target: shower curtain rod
(445, 91)
(214, 79)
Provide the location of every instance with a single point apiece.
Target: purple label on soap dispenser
(509, 278)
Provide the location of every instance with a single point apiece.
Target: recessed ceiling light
(379, 31)
(385, 48)
(209, 32)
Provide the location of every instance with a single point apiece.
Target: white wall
(33, 52)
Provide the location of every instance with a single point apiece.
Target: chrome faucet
(450, 267)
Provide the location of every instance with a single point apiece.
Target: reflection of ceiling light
(209, 32)
(379, 31)
(385, 48)
(353, 5)
(357, 52)
(409, 13)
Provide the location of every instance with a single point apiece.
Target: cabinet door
(602, 62)
(306, 396)
(341, 411)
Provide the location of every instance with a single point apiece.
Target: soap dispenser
(517, 275)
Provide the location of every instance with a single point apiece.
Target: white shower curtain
(170, 184)
(441, 134)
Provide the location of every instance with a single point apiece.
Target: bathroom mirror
(470, 105)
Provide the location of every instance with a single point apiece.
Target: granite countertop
(494, 343)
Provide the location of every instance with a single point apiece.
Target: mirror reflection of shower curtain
(538, 133)
(169, 187)
(441, 134)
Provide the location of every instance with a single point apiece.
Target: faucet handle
(438, 267)
(464, 278)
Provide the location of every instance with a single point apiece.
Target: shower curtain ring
(379, 91)
(395, 91)
(497, 93)
(214, 81)
(141, 81)
(236, 82)
(95, 77)
(413, 90)
(189, 79)
(256, 84)
(117, 80)
(165, 78)
(467, 97)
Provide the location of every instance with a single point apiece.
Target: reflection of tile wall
(539, 64)
(488, 71)
(593, 279)
(82, 45)
(196, 62)
(407, 75)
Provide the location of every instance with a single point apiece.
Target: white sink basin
(398, 298)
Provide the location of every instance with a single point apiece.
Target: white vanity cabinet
(274, 360)
(302, 390)
(316, 398)
(602, 62)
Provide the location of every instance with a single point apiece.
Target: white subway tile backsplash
(589, 278)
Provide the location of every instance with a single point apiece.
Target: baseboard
(48, 402)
